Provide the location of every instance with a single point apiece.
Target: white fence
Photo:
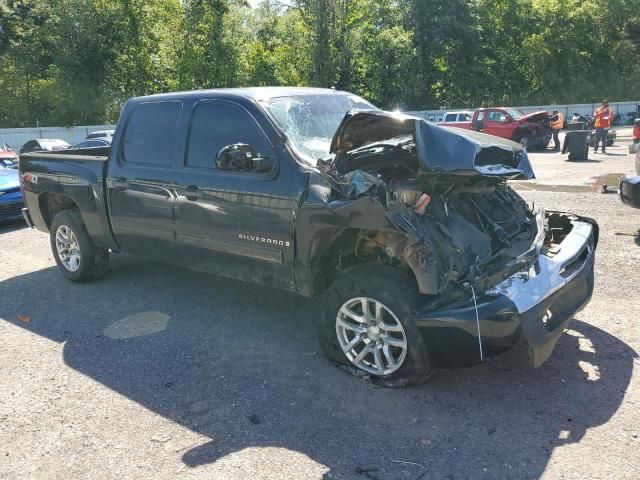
(582, 108)
(16, 137)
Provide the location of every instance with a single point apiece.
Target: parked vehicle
(629, 188)
(457, 119)
(106, 135)
(532, 131)
(8, 158)
(92, 143)
(422, 253)
(11, 202)
(586, 119)
(44, 145)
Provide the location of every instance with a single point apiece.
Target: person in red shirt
(636, 131)
(603, 116)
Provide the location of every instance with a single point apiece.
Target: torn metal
(436, 202)
(422, 147)
(444, 193)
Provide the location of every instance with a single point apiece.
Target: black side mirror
(240, 157)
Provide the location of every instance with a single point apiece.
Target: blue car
(11, 201)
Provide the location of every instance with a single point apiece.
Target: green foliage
(76, 61)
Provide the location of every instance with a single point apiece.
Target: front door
(235, 223)
(498, 123)
(141, 183)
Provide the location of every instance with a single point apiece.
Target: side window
(450, 117)
(150, 133)
(218, 124)
(499, 117)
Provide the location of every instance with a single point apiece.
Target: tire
(525, 141)
(79, 259)
(398, 294)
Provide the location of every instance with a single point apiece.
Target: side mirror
(240, 157)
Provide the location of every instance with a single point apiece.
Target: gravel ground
(155, 372)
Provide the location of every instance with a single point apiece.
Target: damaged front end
(484, 260)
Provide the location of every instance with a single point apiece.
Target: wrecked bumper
(537, 304)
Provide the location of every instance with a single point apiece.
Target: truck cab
(531, 131)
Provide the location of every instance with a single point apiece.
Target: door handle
(192, 193)
(120, 183)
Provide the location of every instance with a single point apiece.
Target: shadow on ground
(12, 226)
(236, 363)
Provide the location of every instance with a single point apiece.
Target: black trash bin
(577, 144)
(576, 125)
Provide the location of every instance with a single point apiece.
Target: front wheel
(525, 141)
(79, 259)
(367, 326)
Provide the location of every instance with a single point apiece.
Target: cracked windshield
(310, 121)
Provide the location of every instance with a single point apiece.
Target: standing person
(557, 122)
(602, 116)
(636, 131)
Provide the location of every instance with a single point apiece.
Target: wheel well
(344, 248)
(53, 203)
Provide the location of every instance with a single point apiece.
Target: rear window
(150, 133)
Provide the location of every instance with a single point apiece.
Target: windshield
(310, 121)
(515, 114)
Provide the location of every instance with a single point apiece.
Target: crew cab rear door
(140, 181)
(229, 221)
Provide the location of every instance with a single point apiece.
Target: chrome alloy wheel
(68, 248)
(371, 336)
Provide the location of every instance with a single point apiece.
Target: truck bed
(69, 175)
(463, 125)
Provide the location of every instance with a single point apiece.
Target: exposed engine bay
(455, 229)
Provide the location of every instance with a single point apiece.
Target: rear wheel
(79, 259)
(367, 326)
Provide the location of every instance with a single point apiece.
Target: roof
(255, 93)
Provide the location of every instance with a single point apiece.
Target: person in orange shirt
(636, 131)
(603, 116)
(557, 122)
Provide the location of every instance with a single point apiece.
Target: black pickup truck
(422, 253)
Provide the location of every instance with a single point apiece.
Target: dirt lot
(155, 372)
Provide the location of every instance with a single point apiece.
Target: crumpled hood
(439, 150)
(535, 117)
(8, 178)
